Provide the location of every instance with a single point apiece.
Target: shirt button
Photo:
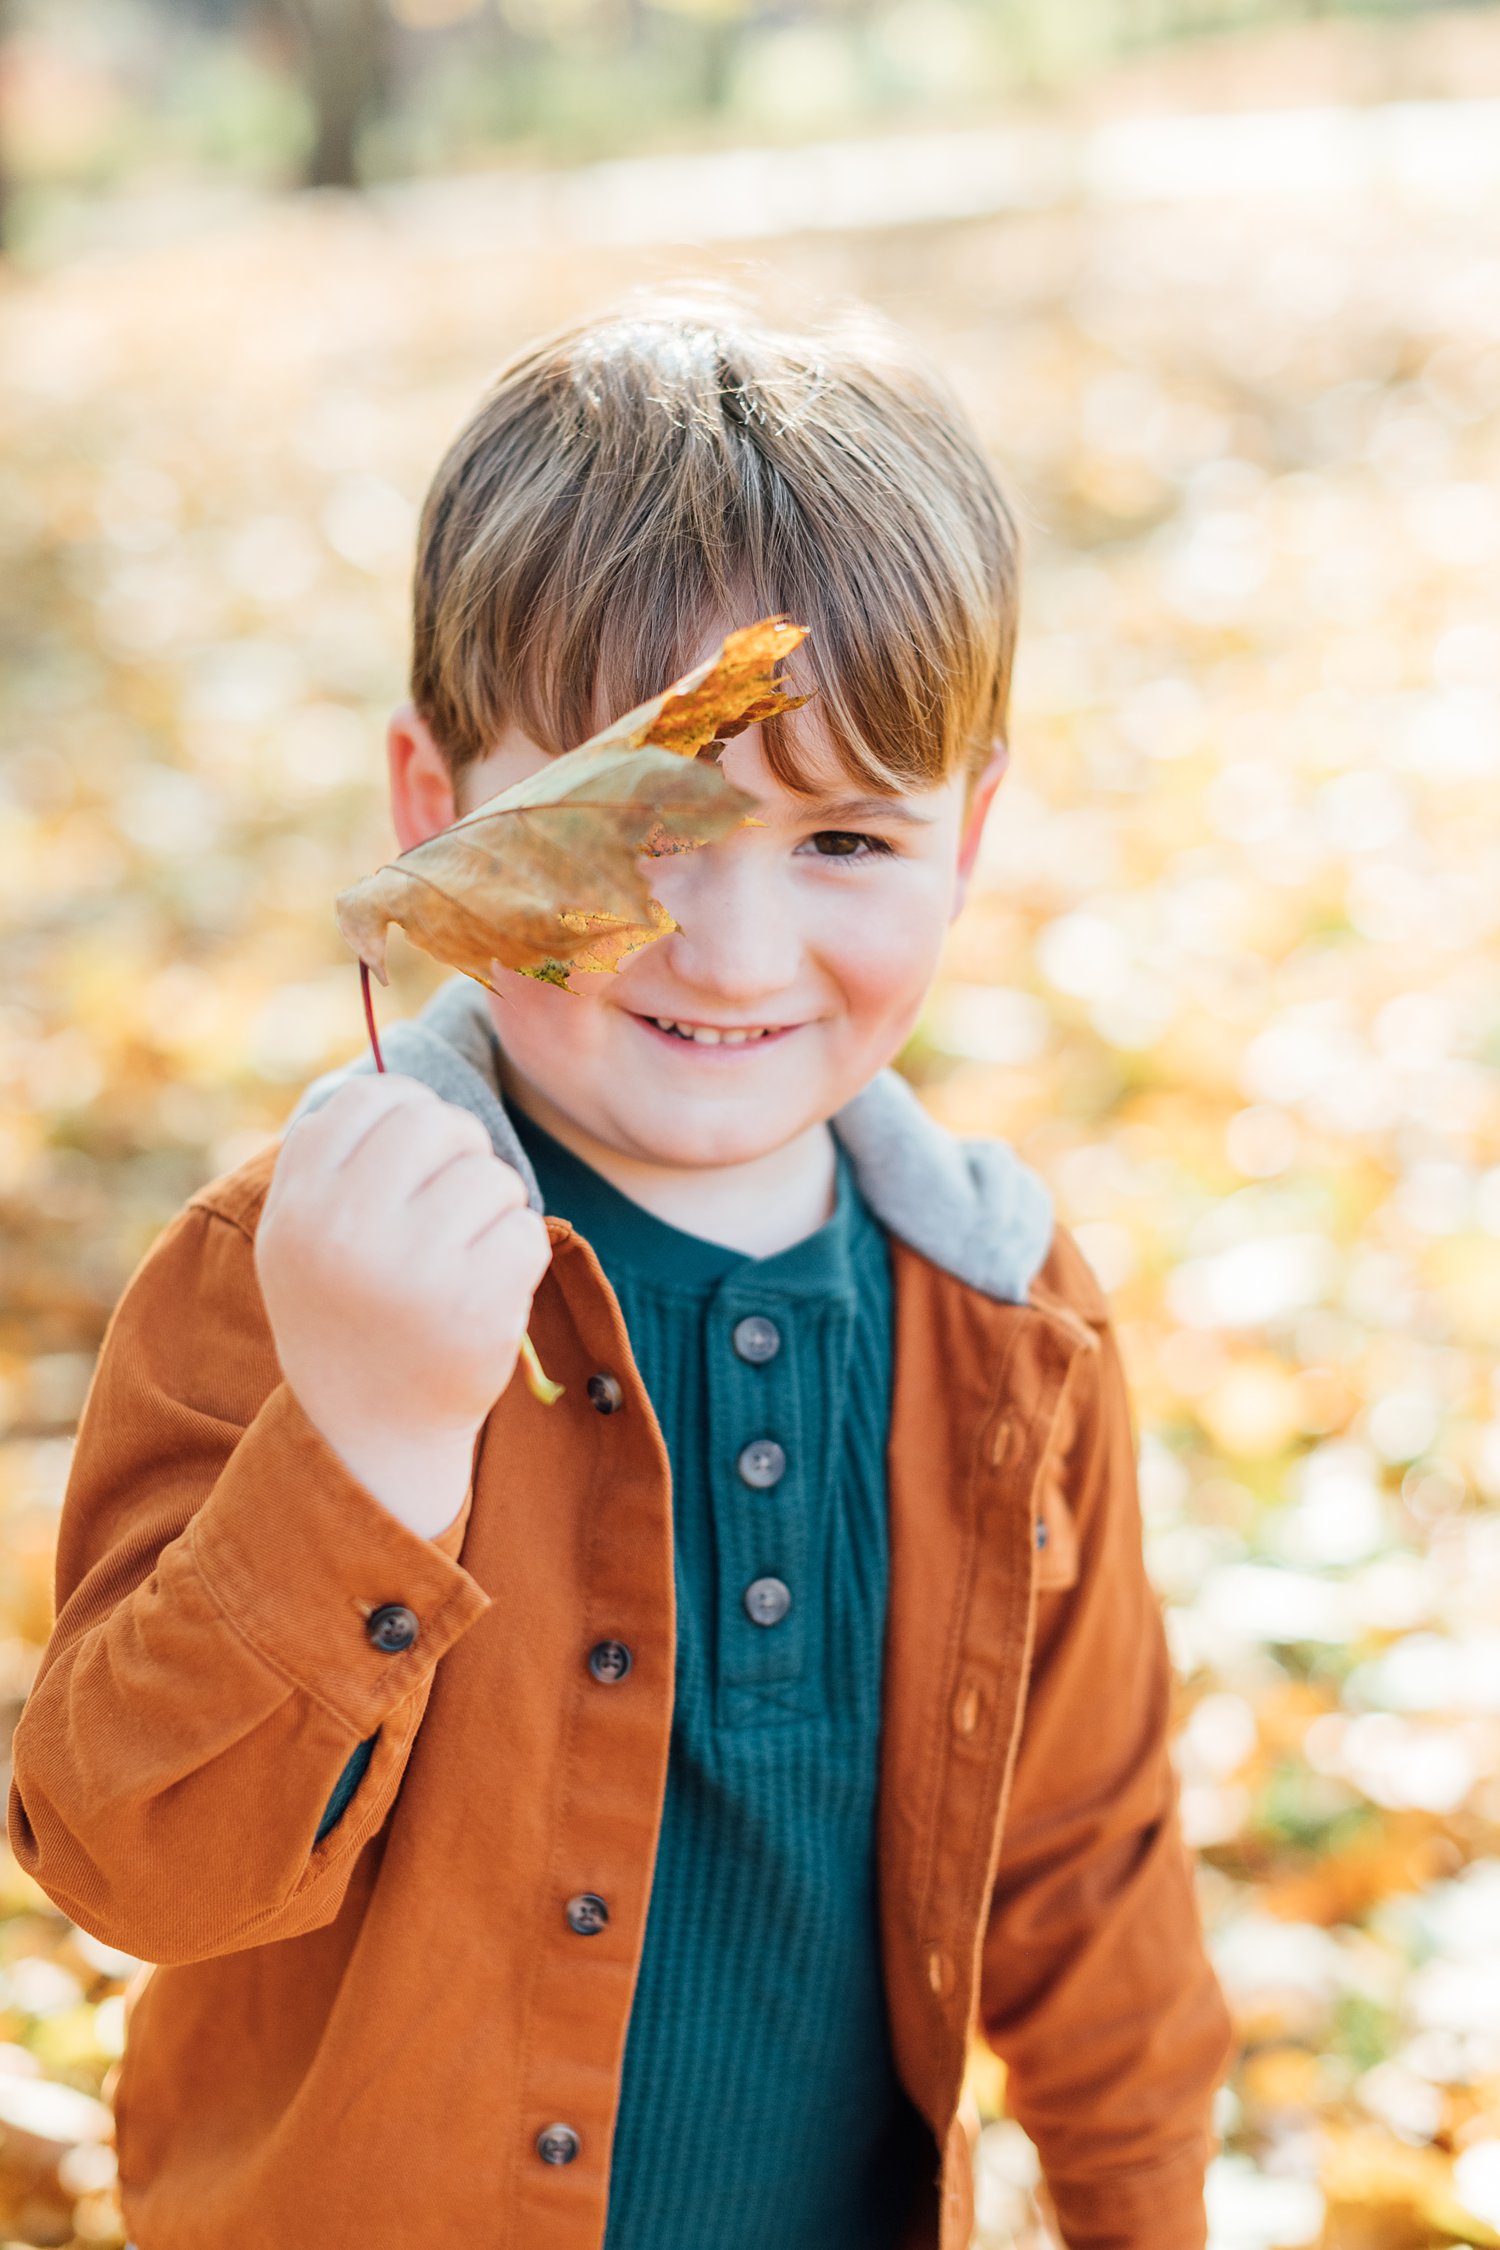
(587, 1913)
(767, 1600)
(557, 2144)
(605, 1394)
(762, 1463)
(392, 1627)
(610, 1661)
(757, 1339)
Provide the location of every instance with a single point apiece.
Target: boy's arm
(211, 1672)
(1096, 1990)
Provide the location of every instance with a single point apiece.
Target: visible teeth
(705, 1035)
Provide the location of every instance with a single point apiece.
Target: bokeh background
(1221, 284)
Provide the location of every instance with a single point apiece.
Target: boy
(602, 1823)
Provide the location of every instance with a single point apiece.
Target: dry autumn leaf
(735, 688)
(546, 873)
(545, 877)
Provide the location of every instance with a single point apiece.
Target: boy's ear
(422, 798)
(981, 797)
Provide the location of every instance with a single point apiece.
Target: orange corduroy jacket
(356, 2045)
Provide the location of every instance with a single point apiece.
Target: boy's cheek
(534, 1019)
(891, 965)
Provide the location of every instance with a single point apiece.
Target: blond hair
(630, 485)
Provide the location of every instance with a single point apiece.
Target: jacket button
(762, 1463)
(587, 1913)
(767, 1600)
(392, 1627)
(757, 1339)
(605, 1394)
(557, 2144)
(610, 1661)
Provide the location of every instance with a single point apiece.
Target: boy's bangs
(884, 731)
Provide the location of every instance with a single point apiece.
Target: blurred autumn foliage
(148, 97)
(1228, 980)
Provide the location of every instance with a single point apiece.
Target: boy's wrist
(421, 1476)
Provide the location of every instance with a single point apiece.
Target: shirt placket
(761, 1481)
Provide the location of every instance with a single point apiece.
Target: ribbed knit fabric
(759, 2101)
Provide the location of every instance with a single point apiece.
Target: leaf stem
(364, 986)
(538, 1381)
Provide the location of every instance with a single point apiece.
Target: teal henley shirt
(759, 2101)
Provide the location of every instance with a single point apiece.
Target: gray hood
(970, 1206)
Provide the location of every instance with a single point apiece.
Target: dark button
(767, 1600)
(605, 1394)
(557, 2144)
(1041, 1535)
(610, 1661)
(392, 1627)
(762, 1463)
(587, 1913)
(757, 1339)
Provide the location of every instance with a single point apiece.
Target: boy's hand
(398, 1258)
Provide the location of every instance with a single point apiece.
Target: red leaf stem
(364, 986)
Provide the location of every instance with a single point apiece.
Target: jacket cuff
(297, 1554)
(1158, 2209)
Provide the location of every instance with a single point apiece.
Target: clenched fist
(398, 1258)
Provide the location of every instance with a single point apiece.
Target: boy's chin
(710, 1139)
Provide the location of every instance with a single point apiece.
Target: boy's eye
(846, 843)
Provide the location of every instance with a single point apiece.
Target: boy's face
(805, 949)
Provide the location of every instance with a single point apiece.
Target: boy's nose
(737, 933)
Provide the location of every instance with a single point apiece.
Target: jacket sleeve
(1096, 1990)
(209, 1676)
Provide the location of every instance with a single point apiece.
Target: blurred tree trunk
(346, 51)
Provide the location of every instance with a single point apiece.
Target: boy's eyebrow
(836, 809)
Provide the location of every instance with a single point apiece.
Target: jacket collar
(970, 1206)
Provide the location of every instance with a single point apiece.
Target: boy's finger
(330, 1134)
(470, 1172)
(520, 1234)
(400, 1150)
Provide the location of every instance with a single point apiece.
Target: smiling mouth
(717, 1035)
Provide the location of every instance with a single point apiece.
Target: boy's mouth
(715, 1035)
